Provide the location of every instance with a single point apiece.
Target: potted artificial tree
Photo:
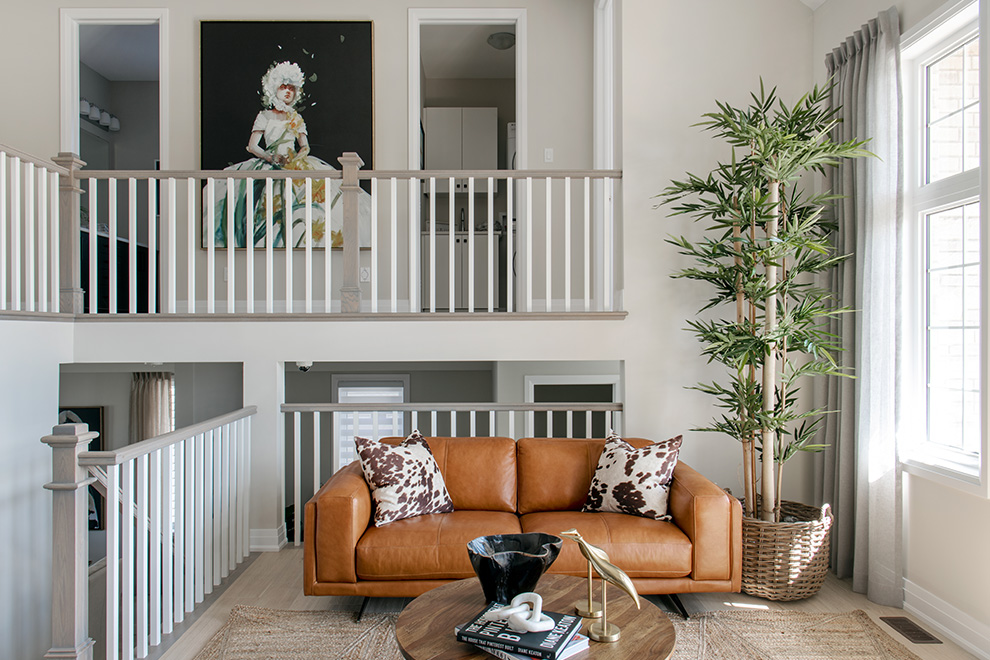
(765, 244)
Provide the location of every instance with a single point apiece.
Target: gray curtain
(858, 473)
(151, 405)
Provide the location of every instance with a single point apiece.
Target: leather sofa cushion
(642, 547)
(480, 473)
(555, 473)
(432, 547)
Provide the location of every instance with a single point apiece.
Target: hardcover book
(577, 644)
(497, 635)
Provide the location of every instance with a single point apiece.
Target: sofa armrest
(712, 519)
(336, 518)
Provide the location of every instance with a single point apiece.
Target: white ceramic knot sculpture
(525, 614)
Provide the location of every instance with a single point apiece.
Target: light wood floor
(274, 580)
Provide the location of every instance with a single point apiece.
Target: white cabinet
(461, 139)
(463, 245)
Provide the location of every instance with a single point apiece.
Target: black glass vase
(510, 564)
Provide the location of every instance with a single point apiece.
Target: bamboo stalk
(747, 441)
(768, 489)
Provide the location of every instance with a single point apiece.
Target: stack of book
(496, 638)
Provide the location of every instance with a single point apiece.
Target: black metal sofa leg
(676, 604)
(364, 605)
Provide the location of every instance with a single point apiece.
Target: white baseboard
(948, 620)
(268, 540)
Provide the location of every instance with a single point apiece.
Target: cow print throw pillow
(634, 481)
(405, 479)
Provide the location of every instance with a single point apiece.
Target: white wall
(30, 353)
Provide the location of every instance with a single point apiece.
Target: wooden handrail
(450, 407)
(336, 174)
(28, 158)
(119, 456)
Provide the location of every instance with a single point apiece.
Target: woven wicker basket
(786, 560)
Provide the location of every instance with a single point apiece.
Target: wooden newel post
(70, 272)
(70, 548)
(350, 292)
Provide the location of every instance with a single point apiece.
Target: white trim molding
(70, 19)
(948, 620)
(456, 16)
(268, 540)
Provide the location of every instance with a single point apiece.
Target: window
(944, 368)
(367, 389)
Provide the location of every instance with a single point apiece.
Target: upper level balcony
(332, 244)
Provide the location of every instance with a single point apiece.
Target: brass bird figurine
(599, 559)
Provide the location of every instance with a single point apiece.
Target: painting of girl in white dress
(328, 78)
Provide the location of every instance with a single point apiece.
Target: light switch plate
(548, 155)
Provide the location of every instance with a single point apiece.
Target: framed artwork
(289, 95)
(92, 416)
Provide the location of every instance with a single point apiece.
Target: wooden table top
(425, 629)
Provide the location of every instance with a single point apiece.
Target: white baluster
(327, 250)
(297, 475)
(132, 240)
(140, 513)
(607, 245)
(127, 561)
(55, 250)
(93, 292)
(529, 244)
(433, 250)
(567, 244)
(453, 423)
(112, 243)
(287, 235)
(452, 276)
(317, 482)
(29, 227)
(208, 512)
(512, 424)
(112, 513)
(249, 221)
(510, 253)
(3, 230)
(570, 423)
(492, 282)
(217, 490)
(414, 279)
(172, 561)
(171, 246)
(309, 246)
(587, 247)
(191, 233)
(43, 240)
(231, 244)
(223, 495)
(190, 534)
(470, 245)
(15, 235)
(394, 244)
(152, 246)
(178, 537)
(269, 247)
(549, 244)
(374, 246)
(155, 541)
(247, 487)
(210, 221)
(473, 415)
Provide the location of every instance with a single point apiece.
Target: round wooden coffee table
(425, 629)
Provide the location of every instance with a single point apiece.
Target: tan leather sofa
(500, 486)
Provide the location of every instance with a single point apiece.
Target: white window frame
(345, 380)
(953, 24)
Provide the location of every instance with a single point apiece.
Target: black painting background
(337, 107)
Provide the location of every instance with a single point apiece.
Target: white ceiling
(120, 52)
(814, 4)
(462, 51)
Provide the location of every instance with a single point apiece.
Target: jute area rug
(254, 632)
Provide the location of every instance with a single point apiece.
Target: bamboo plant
(766, 241)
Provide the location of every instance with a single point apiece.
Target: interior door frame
(70, 20)
(419, 17)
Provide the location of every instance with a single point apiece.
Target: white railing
(320, 436)
(29, 232)
(128, 242)
(177, 523)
